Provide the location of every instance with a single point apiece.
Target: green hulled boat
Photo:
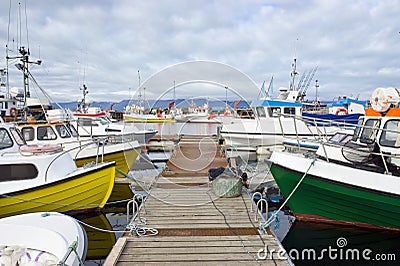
(352, 179)
(336, 193)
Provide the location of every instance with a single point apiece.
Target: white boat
(280, 118)
(42, 238)
(44, 178)
(275, 120)
(136, 112)
(96, 123)
(133, 114)
(195, 113)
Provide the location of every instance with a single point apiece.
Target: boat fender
(38, 149)
(341, 111)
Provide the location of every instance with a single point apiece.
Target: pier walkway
(195, 227)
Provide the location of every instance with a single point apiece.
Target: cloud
(104, 43)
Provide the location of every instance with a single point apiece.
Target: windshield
(72, 130)
(357, 130)
(104, 121)
(17, 136)
(370, 131)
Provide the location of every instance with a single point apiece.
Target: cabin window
(72, 130)
(28, 133)
(289, 110)
(340, 138)
(260, 111)
(5, 139)
(46, 133)
(370, 131)
(86, 123)
(274, 111)
(11, 172)
(357, 130)
(390, 136)
(63, 131)
(104, 121)
(17, 136)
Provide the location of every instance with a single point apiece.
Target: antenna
(26, 25)
(316, 90)
(138, 72)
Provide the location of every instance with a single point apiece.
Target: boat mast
(293, 74)
(24, 66)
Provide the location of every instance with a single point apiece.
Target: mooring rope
(274, 215)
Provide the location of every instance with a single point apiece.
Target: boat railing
(317, 127)
(71, 250)
(100, 146)
(380, 147)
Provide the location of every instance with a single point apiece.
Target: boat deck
(194, 225)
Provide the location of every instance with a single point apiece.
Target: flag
(236, 103)
(171, 104)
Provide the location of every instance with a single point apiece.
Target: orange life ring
(341, 111)
(13, 112)
(37, 149)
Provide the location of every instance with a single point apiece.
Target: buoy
(341, 111)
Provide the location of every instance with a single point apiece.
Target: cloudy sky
(104, 43)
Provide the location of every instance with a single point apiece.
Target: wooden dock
(195, 227)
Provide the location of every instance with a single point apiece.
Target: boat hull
(123, 159)
(81, 191)
(324, 199)
(148, 119)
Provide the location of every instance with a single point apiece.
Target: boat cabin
(10, 138)
(275, 108)
(54, 133)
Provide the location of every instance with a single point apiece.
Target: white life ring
(341, 111)
(38, 149)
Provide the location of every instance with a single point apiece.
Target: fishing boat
(84, 150)
(195, 113)
(92, 121)
(354, 181)
(44, 178)
(284, 117)
(136, 112)
(96, 123)
(42, 238)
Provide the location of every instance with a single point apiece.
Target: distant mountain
(182, 103)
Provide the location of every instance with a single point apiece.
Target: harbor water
(307, 243)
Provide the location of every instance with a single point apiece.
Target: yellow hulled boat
(43, 178)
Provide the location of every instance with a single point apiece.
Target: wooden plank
(200, 238)
(211, 244)
(191, 250)
(196, 257)
(116, 252)
(210, 263)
